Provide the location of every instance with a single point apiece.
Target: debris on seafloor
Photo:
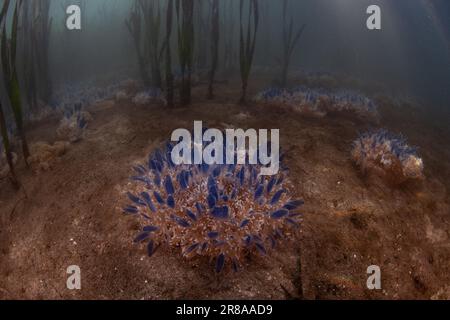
(44, 154)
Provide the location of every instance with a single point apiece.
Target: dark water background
(409, 57)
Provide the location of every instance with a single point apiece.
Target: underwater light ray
(436, 19)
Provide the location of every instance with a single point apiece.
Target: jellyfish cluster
(151, 95)
(222, 212)
(72, 126)
(86, 94)
(387, 154)
(320, 102)
(66, 95)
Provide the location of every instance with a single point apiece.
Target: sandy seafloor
(70, 214)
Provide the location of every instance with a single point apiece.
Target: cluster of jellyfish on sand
(387, 155)
(69, 95)
(319, 102)
(376, 152)
(222, 212)
(75, 118)
(73, 124)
